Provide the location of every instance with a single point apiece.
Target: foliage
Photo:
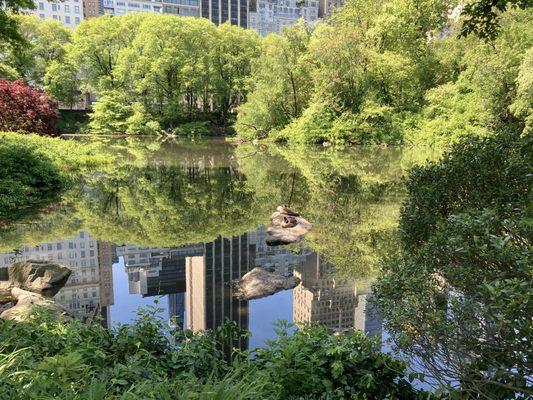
(193, 129)
(152, 72)
(456, 296)
(389, 72)
(25, 109)
(27, 180)
(481, 16)
(35, 170)
(145, 360)
(44, 43)
(9, 33)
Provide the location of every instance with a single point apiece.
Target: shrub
(34, 170)
(27, 180)
(457, 296)
(26, 109)
(41, 358)
(193, 129)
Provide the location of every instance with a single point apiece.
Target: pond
(173, 222)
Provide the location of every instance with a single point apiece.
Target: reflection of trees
(352, 198)
(173, 193)
(167, 205)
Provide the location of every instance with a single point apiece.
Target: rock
(278, 234)
(43, 277)
(260, 283)
(26, 304)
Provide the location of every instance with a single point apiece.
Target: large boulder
(260, 283)
(279, 234)
(43, 277)
(26, 303)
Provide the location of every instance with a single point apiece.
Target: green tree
(457, 295)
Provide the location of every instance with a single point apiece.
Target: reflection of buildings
(90, 286)
(209, 297)
(278, 258)
(321, 297)
(195, 278)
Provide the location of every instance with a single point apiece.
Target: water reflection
(194, 280)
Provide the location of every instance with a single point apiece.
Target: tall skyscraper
(220, 11)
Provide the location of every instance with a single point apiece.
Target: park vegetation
(375, 72)
(457, 295)
(390, 72)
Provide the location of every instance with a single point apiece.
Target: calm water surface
(173, 222)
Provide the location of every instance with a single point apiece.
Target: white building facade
(68, 12)
(271, 16)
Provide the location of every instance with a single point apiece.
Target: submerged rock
(43, 277)
(286, 229)
(260, 283)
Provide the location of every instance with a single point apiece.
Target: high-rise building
(69, 12)
(220, 11)
(324, 298)
(271, 16)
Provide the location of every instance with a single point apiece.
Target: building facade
(68, 12)
(271, 16)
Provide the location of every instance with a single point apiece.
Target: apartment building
(271, 16)
(68, 12)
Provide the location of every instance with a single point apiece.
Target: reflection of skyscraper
(176, 309)
(209, 298)
(279, 258)
(90, 286)
(322, 297)
(106, 255)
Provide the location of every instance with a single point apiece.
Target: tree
(457, 295)
(280, 83)
(62, 83)
(8, 25)
(45, 43)
(27, 109)
(482, 17)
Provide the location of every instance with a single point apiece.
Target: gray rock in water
(278, 233)
(31, 285)
(43, 277)
(260, 283)
(27, 303)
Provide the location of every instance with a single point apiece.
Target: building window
(77, 9)
(77, 19)
(67, 9)
(41, 6)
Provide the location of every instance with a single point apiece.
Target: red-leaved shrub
(23, 108)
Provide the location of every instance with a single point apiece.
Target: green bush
(458, 294)
(34, 170)
(27, 180)
(45, 359)
(193, 129)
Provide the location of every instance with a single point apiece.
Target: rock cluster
(30, 284)
(260, 283)
(286, 227)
